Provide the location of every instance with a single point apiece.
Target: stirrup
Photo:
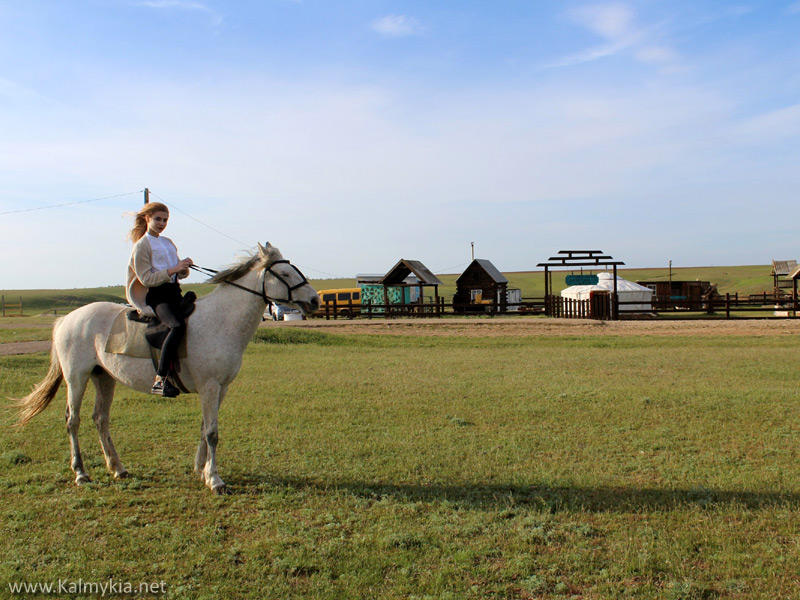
(162, 386)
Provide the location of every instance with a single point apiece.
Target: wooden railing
(11, 309)
(430, 308)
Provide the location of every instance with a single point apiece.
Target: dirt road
(512, 326)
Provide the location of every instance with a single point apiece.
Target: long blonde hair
(140, 224)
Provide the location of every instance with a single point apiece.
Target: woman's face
(157, 222)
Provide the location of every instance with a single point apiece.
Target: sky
(351, 134)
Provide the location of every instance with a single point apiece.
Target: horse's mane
(246, 264)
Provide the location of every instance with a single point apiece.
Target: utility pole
(146, 195)
(472, 245)
(670, 277)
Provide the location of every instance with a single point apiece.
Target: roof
(605, 281)
(488, 268)
(795, 272)
(369, 277)
(580, 258)
(404, 268)
(783, 267)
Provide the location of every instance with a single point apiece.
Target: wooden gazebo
(397, 275)
(782, 277)
(578, 258)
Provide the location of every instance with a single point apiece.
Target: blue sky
(351, 134)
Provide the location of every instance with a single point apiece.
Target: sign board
(582, 280)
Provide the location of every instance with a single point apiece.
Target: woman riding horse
(153, 274)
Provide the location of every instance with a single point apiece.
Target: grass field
(741, 279)
(448, 466)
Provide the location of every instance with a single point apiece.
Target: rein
(263, 292)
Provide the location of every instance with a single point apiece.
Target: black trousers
(165, 300)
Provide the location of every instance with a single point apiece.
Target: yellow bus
(345, 301)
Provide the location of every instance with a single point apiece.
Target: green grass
(741, 279)
(26, 334)
(434, 467)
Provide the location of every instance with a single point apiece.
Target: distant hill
(748, 279)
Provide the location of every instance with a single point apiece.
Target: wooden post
(436, 296)
(546, 307)
(728, 305)
(146, 195)
(615, 300)
(3, 303)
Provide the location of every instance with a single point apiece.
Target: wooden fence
(11, 309)
(600, 307)
(348, 310)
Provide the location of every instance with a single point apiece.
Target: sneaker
(163, 387)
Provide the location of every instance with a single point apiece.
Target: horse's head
(278, 279)
(283, 282)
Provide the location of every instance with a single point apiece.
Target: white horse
(217, 334)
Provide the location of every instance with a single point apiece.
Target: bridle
(263, 293)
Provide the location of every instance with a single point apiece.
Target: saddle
(156, 331)
(142, 336)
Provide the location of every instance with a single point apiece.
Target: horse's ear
(262, 250)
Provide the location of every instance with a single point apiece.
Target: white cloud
(179, 4)
(589, 55)
(656, 54)
(616, 23)
(771, 126)
(293, 164)
(188, 5)
(611, 21)
(397, 26)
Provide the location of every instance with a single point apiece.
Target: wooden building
(404, 276)
(481, 285)
(681, 294)
(782, 277)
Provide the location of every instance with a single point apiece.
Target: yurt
(641, 297)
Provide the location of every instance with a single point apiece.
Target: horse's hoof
(221, 490)
(121, 475)
(82, 479)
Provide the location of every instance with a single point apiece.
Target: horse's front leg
(210, 398)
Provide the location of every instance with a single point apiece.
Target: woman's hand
(181, 267)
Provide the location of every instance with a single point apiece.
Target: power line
(222, 233)
(448, 269)
(24, 210)
(214, 229)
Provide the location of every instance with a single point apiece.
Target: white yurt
(628, 291)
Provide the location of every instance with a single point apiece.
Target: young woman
(153, 274)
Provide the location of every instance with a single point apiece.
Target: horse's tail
(41, 395)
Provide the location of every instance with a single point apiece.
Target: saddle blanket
(127, 338)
